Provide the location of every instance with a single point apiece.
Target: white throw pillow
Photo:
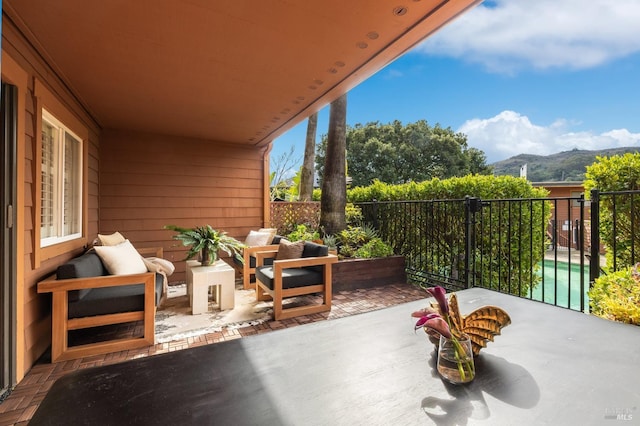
(272, 233)
(257, 238)
(111, 240)
(121, 259)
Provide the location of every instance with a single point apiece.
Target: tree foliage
(396, 153)
(617, 173)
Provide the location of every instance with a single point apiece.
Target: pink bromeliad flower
(440, 294)
(434, 322)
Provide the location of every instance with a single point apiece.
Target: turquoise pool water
(568, 284)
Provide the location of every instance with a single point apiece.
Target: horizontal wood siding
(148, 181)
(34, 323)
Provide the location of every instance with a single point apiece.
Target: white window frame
(58, 233)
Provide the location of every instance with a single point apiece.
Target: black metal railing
(546, 249)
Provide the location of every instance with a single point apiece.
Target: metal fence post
(581, 240)
(594, 262)
(375, 213)
(472, 205)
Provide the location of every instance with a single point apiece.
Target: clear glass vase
(455, 360)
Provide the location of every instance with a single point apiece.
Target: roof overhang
(233, 71)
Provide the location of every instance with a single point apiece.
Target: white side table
(200, 278)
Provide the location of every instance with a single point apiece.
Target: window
(576, 203)
(61, 195)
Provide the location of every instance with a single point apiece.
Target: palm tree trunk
(334, 186)
(306, 178)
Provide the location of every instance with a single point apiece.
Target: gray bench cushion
(107, 300)
(113, 300)
(85, 266)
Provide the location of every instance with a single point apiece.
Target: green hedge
(510, 241)
(616, 296)
(617, 173)
(485, 187)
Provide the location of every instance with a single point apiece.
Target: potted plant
(206, 241)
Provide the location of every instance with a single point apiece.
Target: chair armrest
(247, 252)
(305, 261)
(267, 252)
(253, 249)
(150, 251)
(50, 284)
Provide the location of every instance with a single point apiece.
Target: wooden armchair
(311, 273)
(250, 262)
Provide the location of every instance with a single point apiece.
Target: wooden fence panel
(285, 216)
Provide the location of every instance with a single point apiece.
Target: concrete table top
(550, 366)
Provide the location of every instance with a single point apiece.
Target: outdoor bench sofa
(85, 295)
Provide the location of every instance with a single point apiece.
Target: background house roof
(232, 71)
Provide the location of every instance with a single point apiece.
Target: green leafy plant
(303, 233)
(330, 241)
(374, 248)
(361, 242)
(207, 241)
(616, 296)
(353, 214)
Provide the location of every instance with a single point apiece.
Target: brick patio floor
(22, 403)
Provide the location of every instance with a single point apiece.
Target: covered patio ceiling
(236, 71)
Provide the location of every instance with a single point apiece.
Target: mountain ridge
(559, 167)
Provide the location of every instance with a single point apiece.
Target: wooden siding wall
(148, 181)
(33, 309)
(562, 212)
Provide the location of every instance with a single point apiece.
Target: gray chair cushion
(314, 250)
(297, 277)
(291, 277)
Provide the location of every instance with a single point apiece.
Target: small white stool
(200, 278)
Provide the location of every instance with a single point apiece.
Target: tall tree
(396, 153)
(306, 178)
(281, 168)
(334, 186)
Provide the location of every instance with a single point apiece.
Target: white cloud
(394, 73)
(508, 35)
(509, 133)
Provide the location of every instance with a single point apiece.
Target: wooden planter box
(351, 274)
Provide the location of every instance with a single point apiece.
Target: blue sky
(516, 76)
